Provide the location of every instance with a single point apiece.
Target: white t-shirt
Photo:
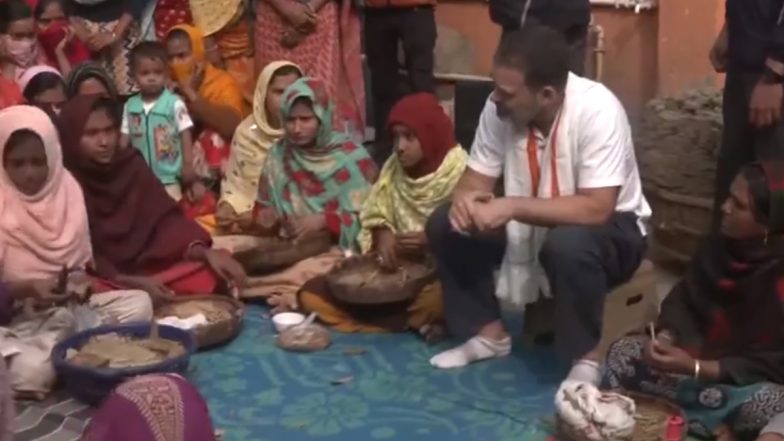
(181, 116)
(605, 150)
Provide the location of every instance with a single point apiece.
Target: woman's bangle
(697, 368)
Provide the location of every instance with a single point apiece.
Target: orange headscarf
(218, 86)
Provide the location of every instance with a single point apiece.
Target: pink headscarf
(41, 233)
(30, 73)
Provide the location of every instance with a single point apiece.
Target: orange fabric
(10, 95)
(235, 45)
(427, 308)
(218, 86)
(533, 161)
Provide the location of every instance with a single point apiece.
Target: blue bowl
(92, 385)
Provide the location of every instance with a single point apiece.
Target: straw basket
(361, 281)
(215, 333)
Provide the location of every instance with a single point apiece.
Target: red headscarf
(135, 227)
(423, 115)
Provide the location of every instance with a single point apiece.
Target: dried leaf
(354, 351)
(342, 380)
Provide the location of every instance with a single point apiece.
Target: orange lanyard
(533, 160)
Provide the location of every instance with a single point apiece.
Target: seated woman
(252, 140)
(43, 229)
(158, 407)
(43, 87)
(414, 182)
(90, 78)
(719, 348)
(213, 97)
(314, 180)
(140, 237)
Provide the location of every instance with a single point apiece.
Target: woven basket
(564, 432)
(276, 254)
(361, 281)
(216, 333)
(92, 385)
(679, 222)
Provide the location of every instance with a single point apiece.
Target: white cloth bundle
(598, 415)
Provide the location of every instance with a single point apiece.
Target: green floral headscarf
(333, 177)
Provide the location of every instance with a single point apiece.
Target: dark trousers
(741, 143)
(582, 263)
(384, 28)
(577, 39)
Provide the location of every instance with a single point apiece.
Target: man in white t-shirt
(573, 208)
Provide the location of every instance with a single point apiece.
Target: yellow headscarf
(250, 145)
(402, 203)
(218, 86)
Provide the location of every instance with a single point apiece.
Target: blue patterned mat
(258, 392)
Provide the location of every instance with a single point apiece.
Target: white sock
(587, 371)
(476, 349)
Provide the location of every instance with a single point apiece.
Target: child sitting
(156, 122)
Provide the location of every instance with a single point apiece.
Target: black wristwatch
(770, 76)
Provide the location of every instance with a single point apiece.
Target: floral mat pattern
(259, 392)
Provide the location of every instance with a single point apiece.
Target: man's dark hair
(151, 50)
(540, 53)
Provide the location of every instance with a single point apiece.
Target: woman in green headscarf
(314, 180)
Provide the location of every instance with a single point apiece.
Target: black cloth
(384, 28)
(557, 14)
(756, 31)
(582, 263)
(741, 143)
(104, 12)
(729, 308)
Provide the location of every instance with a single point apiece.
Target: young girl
(43, 87)
(421, 175)
(58, 41)
(19, 49)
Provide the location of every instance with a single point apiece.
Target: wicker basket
(216, 333)
(564, 432)
(374, 286)
(679, 222)
(276, 253)
(92, 385)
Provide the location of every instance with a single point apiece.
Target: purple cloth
(6, 304)
(163, 407)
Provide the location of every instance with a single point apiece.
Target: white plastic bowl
(286, 320)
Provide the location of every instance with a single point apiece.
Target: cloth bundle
(593, 414)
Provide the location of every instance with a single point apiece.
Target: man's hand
(718, 53)
(765, 105)
(461, 213)
(492, 215)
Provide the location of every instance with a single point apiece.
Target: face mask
(53, 34)
(23, 52)
(182, 71)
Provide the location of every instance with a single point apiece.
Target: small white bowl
(286, 320)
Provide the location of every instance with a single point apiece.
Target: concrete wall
(659, 51)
